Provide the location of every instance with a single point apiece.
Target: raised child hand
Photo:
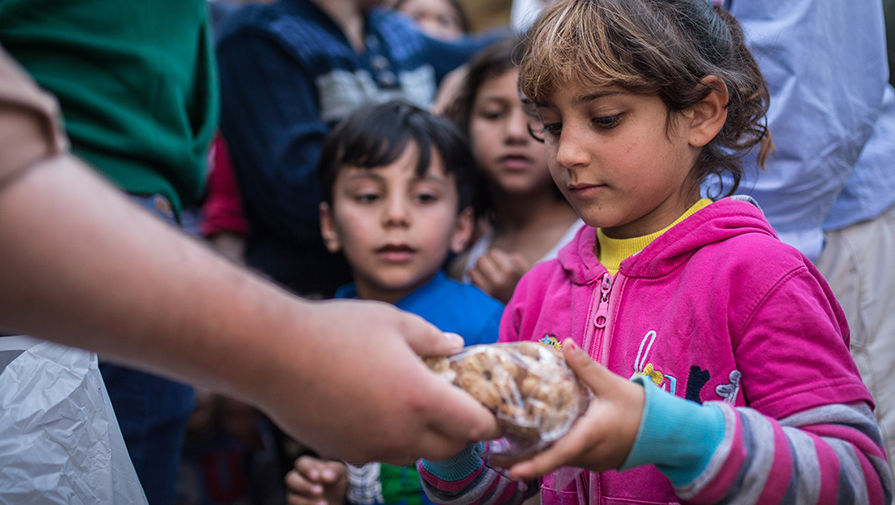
(497, 272)
(602, 438)
(315, 481)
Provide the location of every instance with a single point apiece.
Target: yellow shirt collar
(612, 251)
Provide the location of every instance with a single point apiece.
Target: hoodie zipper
(597, 322)
(599, 314)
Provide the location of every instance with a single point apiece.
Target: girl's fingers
(602, 437)
(593, 375)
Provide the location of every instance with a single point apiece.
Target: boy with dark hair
(398, 188)
(289, 71)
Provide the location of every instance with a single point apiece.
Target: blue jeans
(152, 411)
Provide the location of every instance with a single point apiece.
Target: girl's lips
(515, 162)
(583, 186)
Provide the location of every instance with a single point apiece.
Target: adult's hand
(368, 396)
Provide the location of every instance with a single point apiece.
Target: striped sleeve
(829, 454)
(468, 480)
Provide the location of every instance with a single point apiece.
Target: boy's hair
(377, 134)
(662, 47)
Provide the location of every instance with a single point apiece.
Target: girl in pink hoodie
(741, 387)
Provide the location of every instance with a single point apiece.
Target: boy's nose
(396, 212)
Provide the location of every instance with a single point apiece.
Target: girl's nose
(570, 149)
(517, 126)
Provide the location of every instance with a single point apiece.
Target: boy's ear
(706, 118)
(328, 229)
(462, 231)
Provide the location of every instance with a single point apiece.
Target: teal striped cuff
(678, 436)
(458, 466)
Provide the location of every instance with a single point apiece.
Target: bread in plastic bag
(534, 394)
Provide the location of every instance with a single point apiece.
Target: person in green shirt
(136, 83)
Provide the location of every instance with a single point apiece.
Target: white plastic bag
(59, 439)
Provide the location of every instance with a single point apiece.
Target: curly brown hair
(661, 47)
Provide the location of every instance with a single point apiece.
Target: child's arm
(714, 453)
(315, 481)
(467, 479)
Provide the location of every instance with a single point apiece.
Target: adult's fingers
(454, 418)
(427, 340)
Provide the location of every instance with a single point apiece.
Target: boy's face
(395, 227)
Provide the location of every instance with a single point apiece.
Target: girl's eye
(490, 115)
(552, 129)
(606, 122)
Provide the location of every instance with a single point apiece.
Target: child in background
(397, 185)
(443, 20)
(289, 71)
(742, 388)
(526, 218)
(440, 19)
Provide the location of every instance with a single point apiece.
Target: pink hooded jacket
(715, 309)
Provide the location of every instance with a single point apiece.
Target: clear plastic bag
(534, 394)
(59, 439)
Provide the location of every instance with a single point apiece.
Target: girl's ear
(328, 229)
(462, 231)
(706, 118)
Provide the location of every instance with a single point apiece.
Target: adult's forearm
(84, 267)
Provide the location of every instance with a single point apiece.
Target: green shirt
(136, 82)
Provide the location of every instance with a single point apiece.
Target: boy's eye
(606, 122)
(426, 197)
(366, 197)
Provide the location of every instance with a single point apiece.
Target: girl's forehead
(503, 81)
(575, 92)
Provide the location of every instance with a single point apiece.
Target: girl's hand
(316, 482)
(602, 438)
(497, 272)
